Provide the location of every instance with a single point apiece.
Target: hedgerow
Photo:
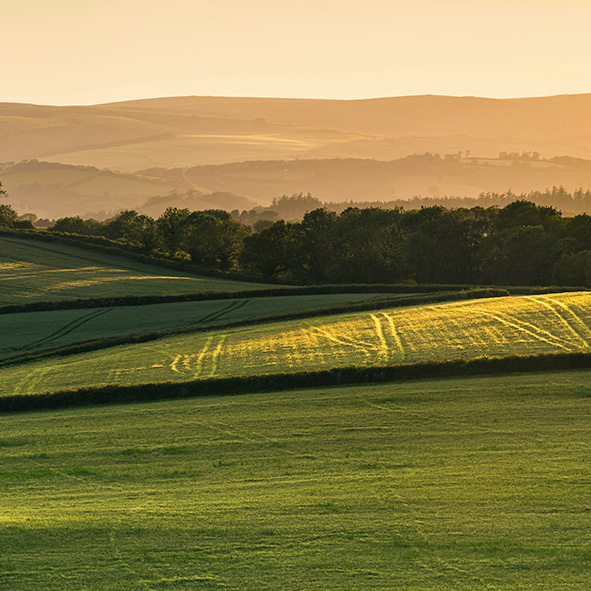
(117, 394)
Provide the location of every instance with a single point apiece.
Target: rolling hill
(54, 190)
(185, 131)
(257, 149)
(33, 271)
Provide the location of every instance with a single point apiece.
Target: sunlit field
(473, 483)
(487, 327)
(25, 331)
(37, 271)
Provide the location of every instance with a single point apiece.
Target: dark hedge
(117, 394)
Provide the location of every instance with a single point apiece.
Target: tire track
(384, 348)
(577, 319)
(516, 324)
(560, 317)
(395, 335)
(62, 332)
(236, 305)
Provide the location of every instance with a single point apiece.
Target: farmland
(33, 271)
(456, 483)
(34, 330)
(487, 327)
(468, 483)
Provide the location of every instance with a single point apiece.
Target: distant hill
(189, 131)
(57, 190)
(53, 190)
(426, 175)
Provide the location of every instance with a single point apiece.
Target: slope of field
(32, 271)
(473, 483)
(35, 330)
(493, 327)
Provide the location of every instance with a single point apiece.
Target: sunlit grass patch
(34, 271)
(455, 484)
(488, 327)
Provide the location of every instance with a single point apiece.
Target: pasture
(32, 271)
(26, 331)
(471, 483)
(468, 329)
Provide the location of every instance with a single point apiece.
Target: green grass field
(26, 331)
(32, 271)
(493, 327)
(472, 483)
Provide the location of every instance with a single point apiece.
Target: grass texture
(26, 331)
(522, 325)
(33, 271)
(473, 483)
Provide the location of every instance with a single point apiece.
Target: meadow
(471, 483)
(26, 331)
(467, 329)
(455, 483)
(32, 271)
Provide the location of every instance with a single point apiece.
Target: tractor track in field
(63, 331)
(231, 307)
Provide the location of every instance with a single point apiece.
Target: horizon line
(294, 98)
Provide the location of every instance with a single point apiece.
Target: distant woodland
(54, 190)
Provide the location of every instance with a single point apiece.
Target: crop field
(32, 271)
(468, 329)
(471, 483)
(25, 331)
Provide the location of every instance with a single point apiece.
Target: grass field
(493, 326)
(473, 483)
(26, 331)
(33, 271)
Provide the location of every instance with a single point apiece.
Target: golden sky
(92, 51)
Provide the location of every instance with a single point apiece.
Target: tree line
(519, 244)
(522, 243)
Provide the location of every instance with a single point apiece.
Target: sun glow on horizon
(105, 51)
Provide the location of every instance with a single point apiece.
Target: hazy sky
(91, 51)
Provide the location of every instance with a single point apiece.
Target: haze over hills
(121, 154)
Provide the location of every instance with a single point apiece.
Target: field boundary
(350, 375)
(362, 306)
(129, 300)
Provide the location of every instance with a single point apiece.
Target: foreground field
(26, 331)
(493, 327)
(33, 271)
(474, 483)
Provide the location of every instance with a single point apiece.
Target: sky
(64, 52)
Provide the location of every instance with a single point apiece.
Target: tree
(212, 238)
(270, 250)
(77, 225)
(168, 225)
(135, 228)
(8, 216)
